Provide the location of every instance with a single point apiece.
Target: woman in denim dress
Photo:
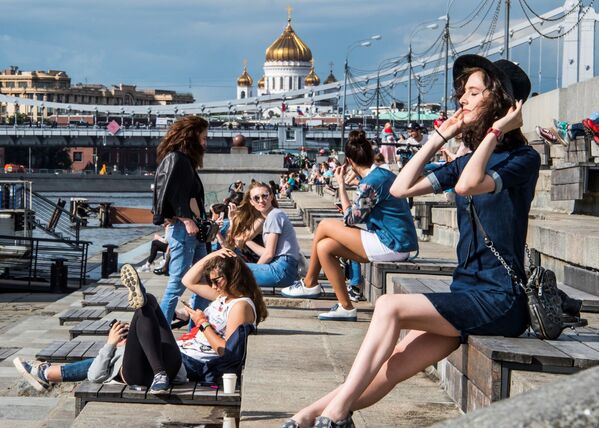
(500, 177)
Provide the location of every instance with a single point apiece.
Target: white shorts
(376, 251)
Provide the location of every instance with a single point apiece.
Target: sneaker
(354, 293)
(298, 290)
(338, 313)
(545, 134)
(160, 384)
(33, 372)
(146, 267)
(137, 292)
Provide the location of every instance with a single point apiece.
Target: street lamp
(416, 30)
(385, 62)
(446, 40)
(359, 43)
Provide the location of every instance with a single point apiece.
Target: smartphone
(339, 205)
(184, 303)
(113, 322)
(221, 215)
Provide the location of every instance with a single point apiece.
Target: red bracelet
(497, 132)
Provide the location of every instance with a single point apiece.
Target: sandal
(290, 423)
(324, 422)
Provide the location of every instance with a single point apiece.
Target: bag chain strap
(489, 244)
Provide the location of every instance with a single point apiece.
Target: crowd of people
(494, 175)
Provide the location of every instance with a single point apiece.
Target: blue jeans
(75, 372)
(280, 272)
(185, 251)
(355, 274)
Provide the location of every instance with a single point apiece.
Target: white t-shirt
(424, 139)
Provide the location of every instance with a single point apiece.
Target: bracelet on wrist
(497, 132)
(441, 135)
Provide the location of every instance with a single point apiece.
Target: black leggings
(157, 245)
(151, 346)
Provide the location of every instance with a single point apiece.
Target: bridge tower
(579, 45)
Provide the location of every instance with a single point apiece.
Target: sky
(199, 46)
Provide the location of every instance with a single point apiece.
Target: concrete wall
(571, 104)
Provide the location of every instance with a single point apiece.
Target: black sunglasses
(257, 198)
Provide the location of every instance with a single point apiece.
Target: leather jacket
(175, 184)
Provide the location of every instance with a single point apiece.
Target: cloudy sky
(199, 46)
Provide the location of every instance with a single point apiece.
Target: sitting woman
(390, 234)
(279, 255)
(497, 181)
(146, 352)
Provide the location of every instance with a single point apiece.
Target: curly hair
(494, 106)
(239, 282)
(184, 136)
(246, 215)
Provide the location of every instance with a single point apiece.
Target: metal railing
(55, 219)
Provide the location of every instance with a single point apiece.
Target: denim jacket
(389, 217)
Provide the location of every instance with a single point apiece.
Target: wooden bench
(80, 314)
(69, 351)
(376, 274)
(90, 328)
(479, 373)
(103, 298)
(190, 393)
(98, 289)
(7, 352)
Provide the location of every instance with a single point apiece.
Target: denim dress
(483, 299)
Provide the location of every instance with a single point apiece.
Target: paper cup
(229, 382)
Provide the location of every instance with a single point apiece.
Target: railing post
(59, 275)
(110, 260)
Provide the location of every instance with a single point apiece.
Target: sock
(44, 373)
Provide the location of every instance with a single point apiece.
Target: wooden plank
(111, 390)
(437, 285)
(411, 285)
(484, 372)
(459, 358)
(524, 350)
(61, 353)
(78, 329)
(88, 390)
(204, 394)
(7, 352)
(134, 392)
(182, 393)
(77, 353)
(47, 352)
(582, 355)
(92, 352)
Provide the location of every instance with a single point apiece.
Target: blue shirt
(503, 214)
(389, 217)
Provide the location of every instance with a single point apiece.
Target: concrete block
(445, 217)
(445, 236)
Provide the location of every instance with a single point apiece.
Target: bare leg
(53, 374)
(330, 228)
(380, 364)
(329, 250)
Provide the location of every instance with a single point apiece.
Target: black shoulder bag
(207, 228)
(546, 303)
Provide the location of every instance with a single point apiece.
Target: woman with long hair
(390, 234)
(280, 253)
(179, 199)
(145, 352)
(497, 181)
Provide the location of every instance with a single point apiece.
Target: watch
(497, 132)
(204, 326)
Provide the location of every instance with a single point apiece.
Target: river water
(118, 234)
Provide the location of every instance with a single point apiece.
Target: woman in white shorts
(390, 234)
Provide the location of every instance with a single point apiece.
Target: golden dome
(331, 78)
(261, 83)
(312, 79)
(288, 47)
(245, 79)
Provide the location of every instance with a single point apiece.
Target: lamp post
(359, 43)
(446, 41)
(428, 27)
(385, 62)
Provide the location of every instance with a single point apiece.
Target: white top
(217, 313)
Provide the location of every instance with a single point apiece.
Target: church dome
(245, 79)
(312, 79)
(261, 83)
(330, 78)
(288, 47)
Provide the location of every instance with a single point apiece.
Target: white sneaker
(161, 264)
(298, 290)
(338, 313)
(145, 268)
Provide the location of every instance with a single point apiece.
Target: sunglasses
(257, 198)
(214, 281)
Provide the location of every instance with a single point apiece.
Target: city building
(55, 86)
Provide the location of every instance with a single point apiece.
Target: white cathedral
(289, 66)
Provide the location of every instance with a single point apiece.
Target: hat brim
(513, 79)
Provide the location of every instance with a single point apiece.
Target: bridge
(285, 136)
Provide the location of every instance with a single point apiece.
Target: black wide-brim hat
(513, 79)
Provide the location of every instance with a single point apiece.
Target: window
(77, 156)
(280, 83)
(22, 84)
(299, 83)
(242, 95)
(290, 134)
(290, 82)
(10, 84)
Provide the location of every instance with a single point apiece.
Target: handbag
(545, 301)
(207, 228)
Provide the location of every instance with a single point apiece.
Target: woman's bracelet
(441, 135)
